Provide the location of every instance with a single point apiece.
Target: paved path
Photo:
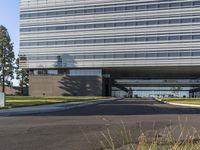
(81, 128)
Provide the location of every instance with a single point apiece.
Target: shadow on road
(126, 107)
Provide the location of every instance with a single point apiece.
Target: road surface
(83, 128)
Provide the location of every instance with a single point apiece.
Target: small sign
(2, 99)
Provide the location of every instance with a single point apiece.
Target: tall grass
(177, 138)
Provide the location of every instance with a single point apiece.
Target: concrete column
(2, 99)
(107, 87)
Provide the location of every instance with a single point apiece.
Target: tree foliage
(22, 76)
(7, 58)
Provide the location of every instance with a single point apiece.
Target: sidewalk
(51, 108)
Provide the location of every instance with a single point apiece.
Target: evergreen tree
(7, 59)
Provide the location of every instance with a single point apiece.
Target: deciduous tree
(22, 76)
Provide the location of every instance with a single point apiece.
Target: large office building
(104, 47)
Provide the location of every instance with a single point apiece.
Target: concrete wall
(65, 85)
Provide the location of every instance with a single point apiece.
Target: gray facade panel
(109, 33)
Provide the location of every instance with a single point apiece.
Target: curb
(176, 104)
(53, 107)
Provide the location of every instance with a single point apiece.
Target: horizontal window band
(112, 9)
(109, 25)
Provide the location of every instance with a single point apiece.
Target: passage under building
(111, 47)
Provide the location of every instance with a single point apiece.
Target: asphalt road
(83, 128)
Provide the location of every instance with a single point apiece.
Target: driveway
(83, 128)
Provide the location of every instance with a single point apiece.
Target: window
(130, 39)
(186, 37)
(60, 42)
(164, 5)
(70, 12)
(186, 20)
(59, 13)
(162, 38)
(174, 54)
(174, 37)
(185, 53)
(70, 27)
(163, 21)
(109, 9)
(51, 13)
(120, 40)
(60, 28)
(99, 41)
(89, 11)
(185, 4)
(109, 40)
(196, 3)
(81, 11)
(140, 55)
(79, 26)
(89, 41)
(52, 72)
(89, 26)
(119, 24)
(141, 23)
(141, 7)
(196, 37)
(99, 25)
(174, 21)
(121, 8)
(69, 42)
(130, 23)
(109, 25)
(151, 39)
(79, 42)
(130, 7)
(151, 54)
(196, 20)
(195, 53)
(175, 4)
(152, 6)
(99, 10)
(162, 54)
(118, 55)
(153, 22)
(139, 39)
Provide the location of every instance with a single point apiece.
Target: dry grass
(187, 139)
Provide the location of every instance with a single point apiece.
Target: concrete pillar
(2, 99)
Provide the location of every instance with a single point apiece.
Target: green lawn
(22, 101)
(193, 101)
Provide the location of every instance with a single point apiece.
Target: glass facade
(106, 33)
(152, 92)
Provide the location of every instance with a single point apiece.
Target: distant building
(93, 47)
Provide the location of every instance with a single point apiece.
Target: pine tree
(7, 59)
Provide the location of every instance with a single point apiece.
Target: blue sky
(9, 17)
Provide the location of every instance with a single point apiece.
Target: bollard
(2, 99)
